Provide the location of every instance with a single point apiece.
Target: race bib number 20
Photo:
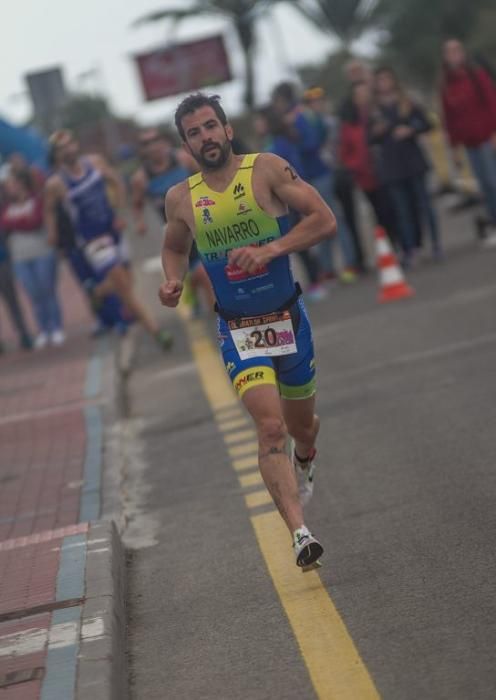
(269, 335)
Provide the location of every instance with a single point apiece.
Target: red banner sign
(183, 67)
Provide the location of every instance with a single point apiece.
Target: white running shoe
(305, 472)
(57, 337)
(490, 241)
(307, 549)
(40, 341)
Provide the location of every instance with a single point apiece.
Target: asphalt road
(404, 502)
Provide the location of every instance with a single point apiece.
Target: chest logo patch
(207, 217)
(243, 209)
(239, 191)
(204, 202)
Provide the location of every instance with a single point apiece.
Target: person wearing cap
(312, 134)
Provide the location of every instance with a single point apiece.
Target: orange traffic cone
(392, 285)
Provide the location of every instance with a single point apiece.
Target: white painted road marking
(33, 640)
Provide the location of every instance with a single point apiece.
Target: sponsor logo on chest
(239, 191)
(204, 202)
(207, 217)
(243, 208)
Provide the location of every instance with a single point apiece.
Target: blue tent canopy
(16, 139)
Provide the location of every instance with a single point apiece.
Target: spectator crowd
(372, 145)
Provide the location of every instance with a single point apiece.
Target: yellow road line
(258, 498)
(336, 670)
(225, 426)
(335, 667)
(230, 412)
(245, 449)
(239, 436)
(244, 463)
(251, 479)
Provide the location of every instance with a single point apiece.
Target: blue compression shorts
(294, 375)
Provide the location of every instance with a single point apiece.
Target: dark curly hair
(194, 102)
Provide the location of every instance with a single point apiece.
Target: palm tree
(414, 31)
(344, 19)
(242, 14)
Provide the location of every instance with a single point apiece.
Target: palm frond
(174, 14)
(346, 19)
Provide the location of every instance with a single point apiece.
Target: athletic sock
(306, 459)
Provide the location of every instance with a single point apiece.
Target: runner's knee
(272, 432)
(121, 282)
(304, 430)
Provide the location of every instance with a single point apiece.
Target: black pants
(309, 262)
(9, 294)
(384, 212)
(344, 191)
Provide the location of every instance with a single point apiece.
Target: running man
(159, 172)
(81, 183)
(237, 209)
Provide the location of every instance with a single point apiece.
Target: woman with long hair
(468, 95)
(356, 155)
(34, 260)
(395, 124)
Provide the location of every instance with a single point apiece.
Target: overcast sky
(79, 36)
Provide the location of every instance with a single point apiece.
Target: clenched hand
(170, 292)
(250, 258)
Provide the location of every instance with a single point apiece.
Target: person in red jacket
(468, 96)
(34, 259)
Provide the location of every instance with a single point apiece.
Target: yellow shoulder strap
(245, 171)
(249, 160)
(194, 180)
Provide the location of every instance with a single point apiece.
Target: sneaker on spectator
(489, 238)
(26, 343)
(348, 276)
(315, 292)
(57, 337)
(40, 341)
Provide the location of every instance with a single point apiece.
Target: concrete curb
(102, 665)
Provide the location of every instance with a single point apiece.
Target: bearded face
(208, 141)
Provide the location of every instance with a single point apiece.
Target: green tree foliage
(414, 31)
(330, 76)
(482, 39)
(82, 109)
(241, 13)
(346, 20)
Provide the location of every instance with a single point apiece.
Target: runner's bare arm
(176, 248)
(113, 178)
(138, 198)
(51, 196)
(317, 222)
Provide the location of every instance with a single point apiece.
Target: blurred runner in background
(160, 170)
(81, 182)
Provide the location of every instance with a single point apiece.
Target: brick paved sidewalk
(47, 460)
